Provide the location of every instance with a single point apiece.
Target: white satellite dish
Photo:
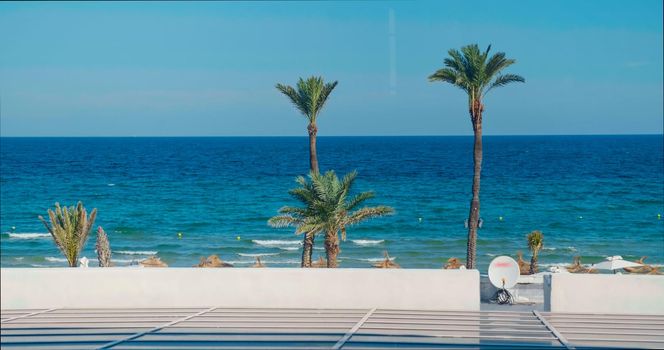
(503, 272)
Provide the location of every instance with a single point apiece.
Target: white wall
(240, 287)
(604, 294)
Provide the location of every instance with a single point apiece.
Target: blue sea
(593, 196)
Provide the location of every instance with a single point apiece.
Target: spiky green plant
(327, 208)
(475, 73)
(103, 248)
(309, 98)
(535, 244)
(70, 228)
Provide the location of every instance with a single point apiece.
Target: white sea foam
(289, 248)
(376, 259)
(275, 243)
(245, 262)
(111, 184)
(367, 241)
(54, 259)
(29, 235)
(258, 254)
(131, 252)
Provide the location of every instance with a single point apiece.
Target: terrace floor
(229, 328)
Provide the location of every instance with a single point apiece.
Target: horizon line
(319, 136)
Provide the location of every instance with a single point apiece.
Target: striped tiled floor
(228, 328)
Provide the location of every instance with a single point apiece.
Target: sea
(591, 196)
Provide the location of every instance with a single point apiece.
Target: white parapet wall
(31, 288)
(604, 294)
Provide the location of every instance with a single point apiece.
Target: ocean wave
(54, 259)
(275, 243)
(367, 241)
(569, 248)
(131, 252)
(245, 262)
(375, 259)
(28, 235)
(289, 248)
(257, 255)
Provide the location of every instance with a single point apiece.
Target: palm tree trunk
(331, 248)
(308, 242)
(307, 249)
(313, 158)
(533, 263)
(474, 215)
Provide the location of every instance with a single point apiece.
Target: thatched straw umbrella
(653, 271)
(153, 261)
(639, 269)
(453, 264)
(576, 267)
(321, 263)
(213, 261)
(258, 262)
(387, 263)
(524, 267)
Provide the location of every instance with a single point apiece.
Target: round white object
(503, 272)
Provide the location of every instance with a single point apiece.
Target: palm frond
(283, 221)
(505, 79)
(368, 213)
(473, 70)
(309, 95)
(294, 97)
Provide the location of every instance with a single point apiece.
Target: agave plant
(476, 73)
(328, 209)
(103, 248)
(70, 228)
(535, 244)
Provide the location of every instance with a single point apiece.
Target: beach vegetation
(476, 73)
(309, 97)
(535, 244)
(327, 207)
(70, 228)
(103, 248)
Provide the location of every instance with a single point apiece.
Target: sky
(209, 68)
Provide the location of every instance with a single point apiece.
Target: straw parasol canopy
(213, 261)
(640, 269)
(387, 263)
(524, 267)
(321, 263)
(258, 262)
(153, 261)
(576, 267)
(453, 264)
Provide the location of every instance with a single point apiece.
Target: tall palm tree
(535, 244)
(328, 209)
(475, 73)
(309, 98)
(70, 228)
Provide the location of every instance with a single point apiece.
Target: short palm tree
(475, 73)
(309, 98)
(328, 209)
(535, 244)
(70, 228)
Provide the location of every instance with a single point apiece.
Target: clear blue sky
(174, 68)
